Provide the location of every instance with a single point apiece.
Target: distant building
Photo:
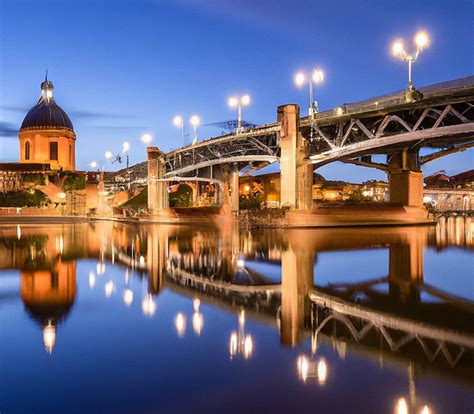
(450, 193)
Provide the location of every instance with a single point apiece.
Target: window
(27, 150)
(70, 152)
(53, 151)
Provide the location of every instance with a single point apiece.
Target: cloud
(8, 129)
(74, 114)
(96, 115)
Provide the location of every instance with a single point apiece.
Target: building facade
(47, 134)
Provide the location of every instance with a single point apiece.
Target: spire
(47, 89)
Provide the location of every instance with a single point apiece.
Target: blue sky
(122, 68)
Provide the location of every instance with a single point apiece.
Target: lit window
(53, 151)
(27, 150)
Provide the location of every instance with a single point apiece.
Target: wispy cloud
(8, 129)
(74, 114)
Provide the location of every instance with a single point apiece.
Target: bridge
(440, 120)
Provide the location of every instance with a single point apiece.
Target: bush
(183, 197)
(36, 179)
(250, 202)
(138, 201)
(34, 198)
(73, 181)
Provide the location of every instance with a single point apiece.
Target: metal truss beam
(223, 160)
(368, 146)
(425, 159)
(200, 179)
(379, 166)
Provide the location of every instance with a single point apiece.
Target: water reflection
(148, 305)
(404, 315)
(241, 343)
(180, 324)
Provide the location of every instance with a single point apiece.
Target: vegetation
(250, 202)
(73, 181)
(33, 198)
(357, 196)
(182, 197)
(138, 201)
(36, 179)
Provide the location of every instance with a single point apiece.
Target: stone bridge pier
(406, 266)
(296, 280)
(156, 257)
(296, 173)
(157, 190)
(405, 178)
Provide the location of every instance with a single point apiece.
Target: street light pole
(179, 123)
(195, 121)
(316, 77)
(398, 50)
(239, 103)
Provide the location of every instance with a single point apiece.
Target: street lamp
(316, 77)
(146, 138)
(108, 154)
(92, 164)
(398, 50)
(125, 150)
(179, 123)
(238, 102)
(195, 121)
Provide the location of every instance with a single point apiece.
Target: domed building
(47, 135)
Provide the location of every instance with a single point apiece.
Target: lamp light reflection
(402, 407)
(148, 305)
(91, 280)
(49, 337)
(198, 323)
(128, 297)
(308, 368)
(180, 324)
(109, 289)
(322, 371)
(100, 268)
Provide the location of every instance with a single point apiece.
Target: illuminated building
(47, 135)
(48, 296)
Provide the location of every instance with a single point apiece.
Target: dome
(46, 113)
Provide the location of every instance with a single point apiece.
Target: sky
(122, 68)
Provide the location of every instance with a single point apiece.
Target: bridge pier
(406, 266)
(296, 174)
(156, 258)
(234, 201)
(405, 179)
(296, 280)
(157, 190)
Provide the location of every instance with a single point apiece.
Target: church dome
(46, 114)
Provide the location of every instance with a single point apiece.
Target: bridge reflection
(397, 316)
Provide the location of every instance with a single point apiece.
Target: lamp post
(316, 77)
(421, 41)
(179, 123)
(195, 121)
(146, 138)
(125, 151)
(239, 102)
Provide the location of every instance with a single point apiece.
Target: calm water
(109, 317)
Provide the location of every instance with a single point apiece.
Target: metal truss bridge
(442, 120)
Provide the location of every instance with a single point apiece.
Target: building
(450, 193)
(47, 134)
